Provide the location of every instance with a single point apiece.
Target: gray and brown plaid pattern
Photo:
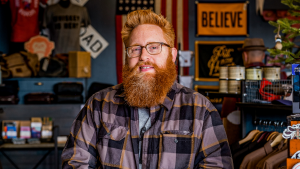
(186, 132)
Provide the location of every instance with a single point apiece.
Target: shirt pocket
(111, 140)
(176, 147)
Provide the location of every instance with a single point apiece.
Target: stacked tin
(270, 73)
(230, 79)
(254, 73)
(236, 75)
(223, 79)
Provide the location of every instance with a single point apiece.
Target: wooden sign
(210, 55)
(39, 45)
(202, 89)
(222, 19)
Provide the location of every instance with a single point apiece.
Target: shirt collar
(254, 64)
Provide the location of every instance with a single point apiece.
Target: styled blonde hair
(140, 17)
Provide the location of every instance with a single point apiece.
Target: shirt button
(176, 141)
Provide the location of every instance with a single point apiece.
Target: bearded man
(148, 121)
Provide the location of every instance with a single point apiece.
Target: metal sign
(92, 41)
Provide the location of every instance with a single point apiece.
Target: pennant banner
(210, 55)
(222, 19)
(176, 12)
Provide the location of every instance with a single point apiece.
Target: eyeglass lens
(152, 49)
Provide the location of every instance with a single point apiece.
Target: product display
(64, 26)
(79, 64)
(39, 98)
(22, 13)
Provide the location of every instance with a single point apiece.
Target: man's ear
(174, 54)
(245, 57)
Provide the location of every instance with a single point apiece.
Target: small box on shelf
(79, 64)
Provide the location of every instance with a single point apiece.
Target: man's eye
(136, 49)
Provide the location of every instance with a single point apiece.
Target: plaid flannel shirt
(186, 132)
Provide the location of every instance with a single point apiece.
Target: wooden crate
(79, 64)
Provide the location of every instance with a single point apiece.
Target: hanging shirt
(64, 26)
(24, 19)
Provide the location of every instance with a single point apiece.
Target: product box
(47, 128)
(10, 129)
(36, 127)
(79, 64)
(296, 87)
(25, 129)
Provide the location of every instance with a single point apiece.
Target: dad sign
(222, 19)
(92, 41)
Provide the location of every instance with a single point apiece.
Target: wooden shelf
(217, 94)
(264, 106)
(30, 146)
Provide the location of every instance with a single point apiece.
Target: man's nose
(144, 55)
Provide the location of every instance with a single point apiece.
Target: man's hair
(140, 17)
(256, 53)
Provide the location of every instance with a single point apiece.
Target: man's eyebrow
(136, 44)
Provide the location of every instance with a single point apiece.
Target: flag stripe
(169, 10)
(174, 20)
(119, 52)
(179, 23)
(185, 45)
(163, 7)
(185, 25)
(124, 19)
(158, 6)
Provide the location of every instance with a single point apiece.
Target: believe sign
(222, 19)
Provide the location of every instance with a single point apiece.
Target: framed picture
(210, 55)
(202, 89)
(222, 18)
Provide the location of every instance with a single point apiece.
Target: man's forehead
(145, 34)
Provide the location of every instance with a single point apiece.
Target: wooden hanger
(275, 133)
(249, 137)
(277, 140)
(257, 136)
(274, 136)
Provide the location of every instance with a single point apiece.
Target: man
(253, 52)
(253, 55)
(148, 121)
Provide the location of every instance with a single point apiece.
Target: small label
(45, 65)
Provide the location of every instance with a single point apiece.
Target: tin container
(236, 72)
(234, 86)
(223, 86)
(254, 73)
(271, 73)
(223, 72)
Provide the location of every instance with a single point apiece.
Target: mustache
(144, 63)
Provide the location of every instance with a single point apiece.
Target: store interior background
(102, 14)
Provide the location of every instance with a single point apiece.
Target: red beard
(148, 89)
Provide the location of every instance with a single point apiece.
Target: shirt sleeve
(215, 150)
(46, 18)
(85, 18)
(80, 150)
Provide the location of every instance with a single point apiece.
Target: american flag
(176, 12)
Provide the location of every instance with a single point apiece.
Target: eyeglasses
(153, 48)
